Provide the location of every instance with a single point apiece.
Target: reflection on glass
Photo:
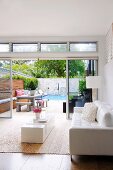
(91, 47)
(5, 88)
(25, 47)
(53, 47)
(4, 47)
(78, 93)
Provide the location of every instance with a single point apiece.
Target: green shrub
(71, 97)
(82, 86)
(29, 83)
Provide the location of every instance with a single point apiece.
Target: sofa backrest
(104, 114)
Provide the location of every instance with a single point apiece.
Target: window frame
(39, 48)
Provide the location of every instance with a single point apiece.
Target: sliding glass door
(77, 93)
(5, 88)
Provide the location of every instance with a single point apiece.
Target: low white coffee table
(33, 133)
(36, 132)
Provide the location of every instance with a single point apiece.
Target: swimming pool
(54, 97)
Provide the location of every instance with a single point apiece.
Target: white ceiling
(55, 17)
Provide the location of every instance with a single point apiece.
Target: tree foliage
(82, 85)
(57, 68)
(50, 68)
(23, 68)
(76, 68)
(20, 61)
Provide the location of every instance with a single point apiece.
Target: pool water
(54, 97)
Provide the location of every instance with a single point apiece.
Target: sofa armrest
(78, 109)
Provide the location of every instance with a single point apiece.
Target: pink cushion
(20, 92)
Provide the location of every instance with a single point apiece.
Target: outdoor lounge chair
(40, 94)
(40, 101)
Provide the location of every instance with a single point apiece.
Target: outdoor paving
(54, 106)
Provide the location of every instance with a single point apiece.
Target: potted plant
(32, 85)
(37, 111)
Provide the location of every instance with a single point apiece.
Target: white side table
(33, 133)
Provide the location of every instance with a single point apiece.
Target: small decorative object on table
(37, 111)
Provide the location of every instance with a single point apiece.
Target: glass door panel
(5, 89)
(78, 95)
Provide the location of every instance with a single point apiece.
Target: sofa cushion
(101, 105)
(105, 116)
(105, 107)
(89, 112)
(78, 122)
(19, 92)
(78, 109)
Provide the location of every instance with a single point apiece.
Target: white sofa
(92, 138)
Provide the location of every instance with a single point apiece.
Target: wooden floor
(18, 161)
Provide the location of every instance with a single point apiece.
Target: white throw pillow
(105, 117)
(100, 106)
(89, 112)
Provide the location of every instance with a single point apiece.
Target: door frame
(67, 75)
(10, 90)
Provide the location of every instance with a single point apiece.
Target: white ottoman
(32, 133)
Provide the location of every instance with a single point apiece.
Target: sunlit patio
(53, 106)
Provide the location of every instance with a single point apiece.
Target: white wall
(108, 69)
(108, 82)
(101, 64)
(58, 85)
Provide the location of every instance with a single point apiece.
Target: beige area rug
(56, 143)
